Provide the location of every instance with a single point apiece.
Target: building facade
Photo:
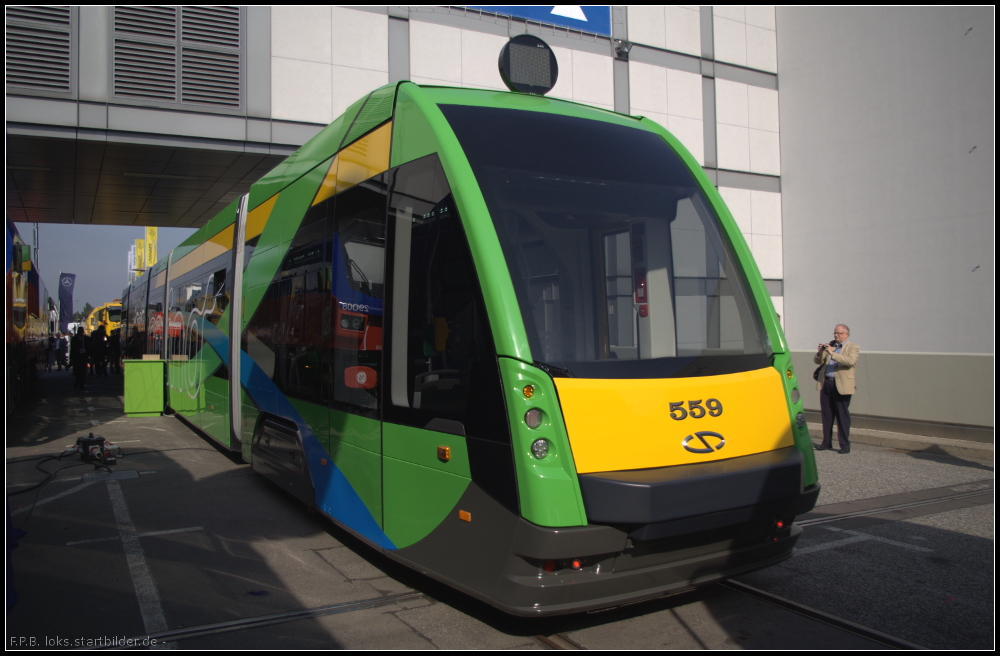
(853, 146)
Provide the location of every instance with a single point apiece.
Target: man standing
(78, 357)
(837, 361)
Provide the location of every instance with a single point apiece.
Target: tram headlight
(533, 418)
(540, 448)
(795, 395)
(800, 420)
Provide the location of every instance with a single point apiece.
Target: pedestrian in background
(78, 357)
(50, 352)
(62, 346)
(835, 382)
(99, 351)
(115, 351)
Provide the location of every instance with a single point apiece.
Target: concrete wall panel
(946, 388)
(887, 152)
(301, 91)
(683, 29)
(301, 33)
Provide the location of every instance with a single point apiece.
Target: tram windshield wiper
(554, 371)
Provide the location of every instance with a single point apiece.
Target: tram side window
(297, 311)
(220, 295)
(356, 280)
(443, 361)
(150, 317)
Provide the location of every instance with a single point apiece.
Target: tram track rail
(807, 611)
(837, 517)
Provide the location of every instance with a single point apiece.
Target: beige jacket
(846, 361)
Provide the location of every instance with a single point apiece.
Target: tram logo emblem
(704, 442)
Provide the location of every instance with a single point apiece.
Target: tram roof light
(528, 65)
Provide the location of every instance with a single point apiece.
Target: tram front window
(619, 266)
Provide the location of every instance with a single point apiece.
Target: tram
(27, 311)
(516, 343)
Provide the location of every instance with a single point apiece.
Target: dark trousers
(833, 405)
(80, 371)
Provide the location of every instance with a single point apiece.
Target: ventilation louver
(38, 48)
(190, 55)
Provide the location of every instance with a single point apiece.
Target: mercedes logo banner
(66, 283)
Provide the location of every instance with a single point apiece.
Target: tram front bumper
(614, 569)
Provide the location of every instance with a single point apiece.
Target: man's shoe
(844, 451)
(823, 447)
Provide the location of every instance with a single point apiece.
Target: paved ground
(185, 536)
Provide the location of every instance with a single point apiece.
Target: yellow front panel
(615, 425)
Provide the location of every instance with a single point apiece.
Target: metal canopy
(52, 180)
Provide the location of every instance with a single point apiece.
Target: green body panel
(549, 488)
(377, 110)
(317, 418)
(783, 363)
(182, 400)
(287, 215)
(265, 259)
(498, 290)
(251, 415)
(252, 296)
(216, 224)
(412, 137)
(355, 444)
(355, 430)
(143, 387)
(506, 100)
(419, 447)
(363, 470)
(323, 146)
(417, 499)
(215, 414)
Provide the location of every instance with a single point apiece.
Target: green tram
(518, 344)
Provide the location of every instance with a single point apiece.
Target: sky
(97, 254)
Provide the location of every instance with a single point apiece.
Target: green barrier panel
(143, 388)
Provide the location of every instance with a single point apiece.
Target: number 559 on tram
(516, 343)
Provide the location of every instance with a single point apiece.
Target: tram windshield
(617, 259)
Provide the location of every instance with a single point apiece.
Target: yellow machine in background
(110, 314)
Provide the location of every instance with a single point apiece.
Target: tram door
(444, 420)
(426, 388)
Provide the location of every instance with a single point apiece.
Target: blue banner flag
(66, 283)
(596, 20)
